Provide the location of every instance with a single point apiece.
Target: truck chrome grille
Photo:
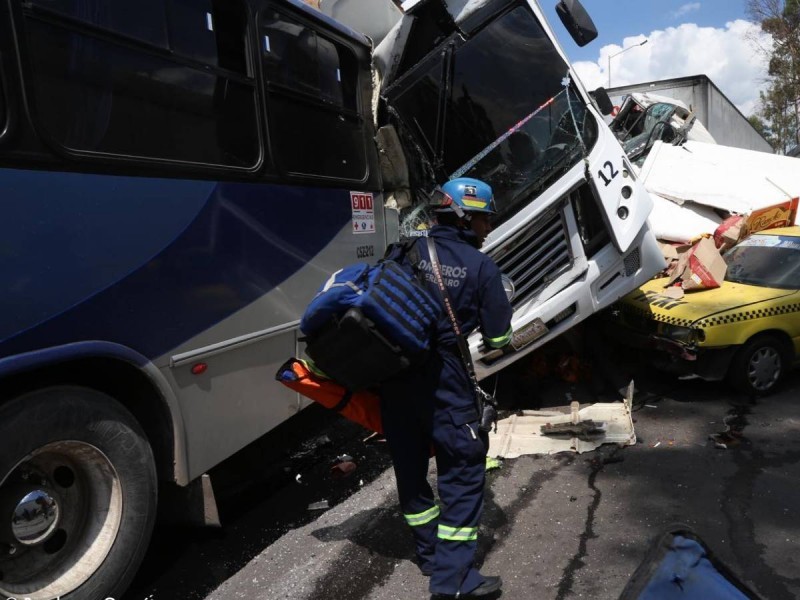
(535, 257)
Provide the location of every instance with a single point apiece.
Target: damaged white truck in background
(698, 156)
(702, 113)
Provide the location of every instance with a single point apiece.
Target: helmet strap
(461, 213)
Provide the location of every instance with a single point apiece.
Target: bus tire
(78, 495)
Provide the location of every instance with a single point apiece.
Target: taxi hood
(650, 299)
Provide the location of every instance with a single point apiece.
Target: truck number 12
(612, 172)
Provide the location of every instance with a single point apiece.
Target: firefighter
(434, 406)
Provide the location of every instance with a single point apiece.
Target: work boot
(425, 566)
(489, 586)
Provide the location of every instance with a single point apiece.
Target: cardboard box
(777, 215)
(671, 251)
(701, 267)
(729, 233)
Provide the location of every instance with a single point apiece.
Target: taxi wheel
(759, 365)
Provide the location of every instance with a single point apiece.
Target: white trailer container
(724, 121)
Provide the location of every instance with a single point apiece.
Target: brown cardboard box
(778, 215)
(729, 232)
(671, 251)
(701, 267)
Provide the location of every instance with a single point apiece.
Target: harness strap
(448, 305)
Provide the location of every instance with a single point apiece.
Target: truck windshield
(510, 115)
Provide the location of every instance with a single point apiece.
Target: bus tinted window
(296, 56)
(92, 95)
(315, 141)
(312, 82)
(212, 32)
(2, 109)
(141, 19)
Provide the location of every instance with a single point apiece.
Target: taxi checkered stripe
(747, 315)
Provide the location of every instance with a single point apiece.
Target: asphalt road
(554, 527)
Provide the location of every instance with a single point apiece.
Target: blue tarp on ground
(686, 572)
(681, 567)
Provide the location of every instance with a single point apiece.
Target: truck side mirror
(577, 21)
(600, 96)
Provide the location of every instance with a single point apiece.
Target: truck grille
(535, 257)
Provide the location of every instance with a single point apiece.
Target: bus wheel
(77, 495)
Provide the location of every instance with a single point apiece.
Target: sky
(711, 37)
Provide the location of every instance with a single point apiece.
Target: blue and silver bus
(179, 176)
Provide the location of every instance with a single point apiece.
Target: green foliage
(761, 126)
(780, 104)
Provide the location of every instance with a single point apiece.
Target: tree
(779, 111)
(761, 126)
(780, 104)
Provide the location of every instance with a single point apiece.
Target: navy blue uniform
(435, 406)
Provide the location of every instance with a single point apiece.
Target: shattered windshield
(766, 261)
(498, 107)
(652, 127)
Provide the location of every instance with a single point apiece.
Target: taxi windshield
(766, 261)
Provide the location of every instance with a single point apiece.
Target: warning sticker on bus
(363, 212)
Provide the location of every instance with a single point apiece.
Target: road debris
(344, 466)
(733, 433)
(374, 438)
(583, 430)
(524, 432)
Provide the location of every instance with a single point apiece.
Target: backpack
(368, 323)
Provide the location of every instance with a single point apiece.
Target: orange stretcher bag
(362, 407)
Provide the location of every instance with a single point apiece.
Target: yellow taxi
(746, 331)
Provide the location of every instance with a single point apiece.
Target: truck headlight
(508, 286)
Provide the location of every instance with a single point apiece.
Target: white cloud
(685, 9)
(729, 56)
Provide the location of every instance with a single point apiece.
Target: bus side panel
(173, 268)
(236, 399)
(112, 260)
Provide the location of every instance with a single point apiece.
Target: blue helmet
(464, 194)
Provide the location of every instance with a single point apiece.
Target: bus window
(313, 106)
(144, 20)
(296, 57)
(210, 31)
(97, 96)
(2, 109)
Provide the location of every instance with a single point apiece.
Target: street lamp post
(617, 54)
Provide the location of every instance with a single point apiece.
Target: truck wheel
(77, 495)
(758, 366)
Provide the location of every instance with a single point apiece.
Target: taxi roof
(794, 230)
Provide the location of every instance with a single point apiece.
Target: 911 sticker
(363, 212)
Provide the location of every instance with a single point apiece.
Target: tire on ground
(93, 462)
(759, 365)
